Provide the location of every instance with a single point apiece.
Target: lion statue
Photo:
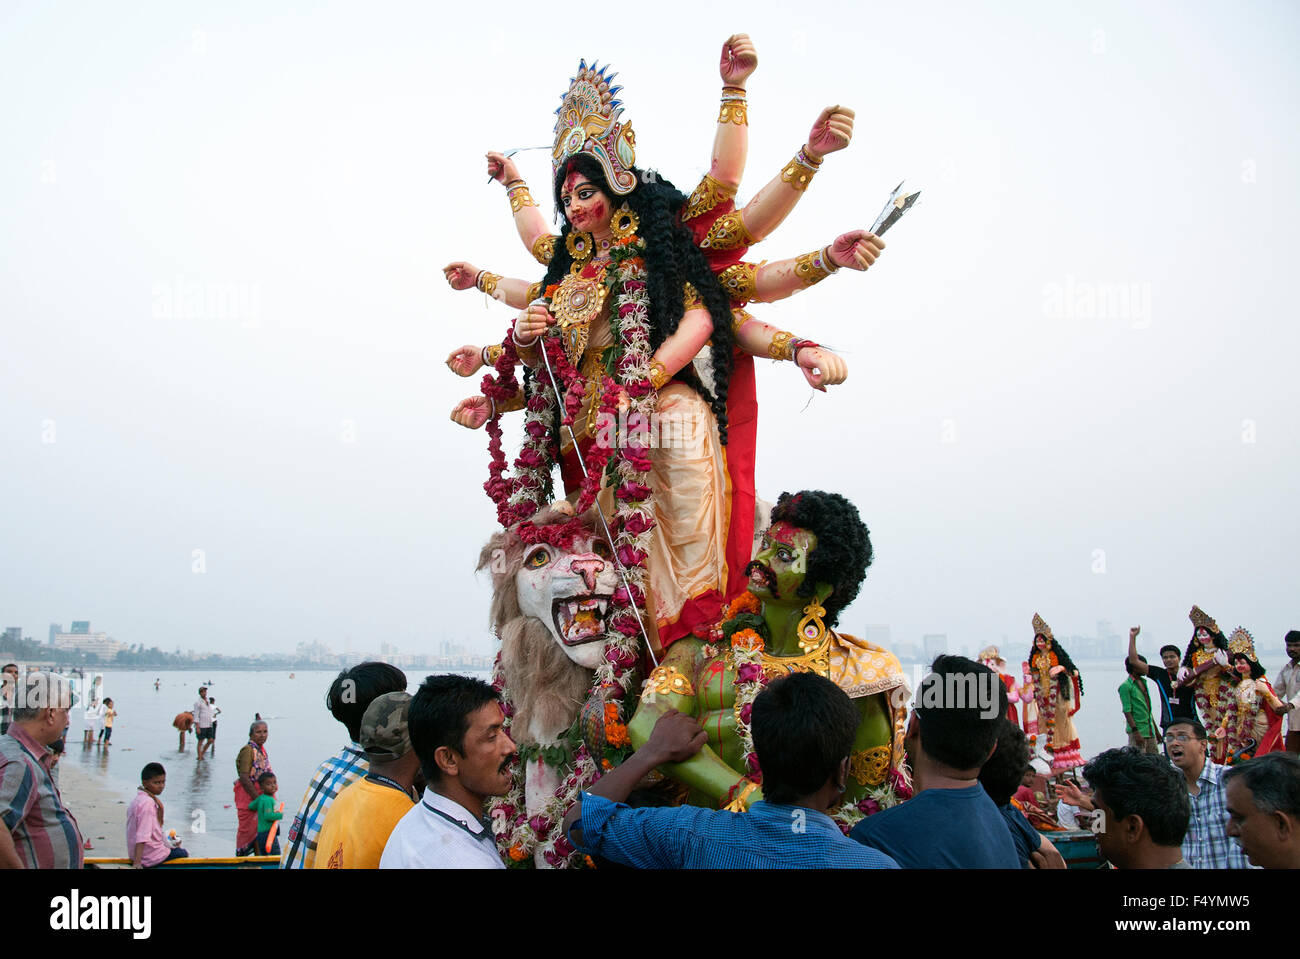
(552, 581)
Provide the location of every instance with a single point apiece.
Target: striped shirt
(1206, 845)
(44, 832)
(331, 778)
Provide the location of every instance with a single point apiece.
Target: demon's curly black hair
(1195, 644)
(1063, 658)
(843, 551)
(672, 260)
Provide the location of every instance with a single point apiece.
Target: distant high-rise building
(13, 634)
(934, 644)
(81, 626)
(55, 629)
(878, 634)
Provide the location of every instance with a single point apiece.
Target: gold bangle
(544, 248)
(707, 195)
(799, 172)
(734, 111)
(690, 297)
(666, 679)
(658, 375)
(738, 319)
(487, 282)
(779, 348)
(813, 267)
(534, 291)
(493, 354)
(740, 280)
(519, 197)
(727, 233)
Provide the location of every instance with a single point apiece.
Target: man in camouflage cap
(360, 820)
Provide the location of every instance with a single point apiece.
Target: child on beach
(267, 814)
(109, 713)
(144, 819)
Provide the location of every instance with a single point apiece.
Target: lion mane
(545, 687)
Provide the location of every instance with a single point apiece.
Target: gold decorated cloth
(861, 669)
(692, 510)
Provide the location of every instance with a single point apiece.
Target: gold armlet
(487, 282)
(519, 197)
(534, 291)
(870, 766)
(727, 233)
(658, 375)
(814, 267)
(740, 280)
(492, 354)
(780, 348)
(799, 171)
(544, 248)
(666, 680)
(707, 195)
(691, 297)
(738, 319)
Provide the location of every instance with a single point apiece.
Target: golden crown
(991, 653)
(1242, 642)
(1200, 617)
(588, 122)
(1041, 628)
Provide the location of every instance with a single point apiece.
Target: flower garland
(627, 464)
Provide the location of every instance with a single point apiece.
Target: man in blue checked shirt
(803, 727)
(352, 691)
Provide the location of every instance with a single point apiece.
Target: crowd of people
(413, 785)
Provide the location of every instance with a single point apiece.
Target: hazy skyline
(223, 319)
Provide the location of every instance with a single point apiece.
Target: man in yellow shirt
(360, 820)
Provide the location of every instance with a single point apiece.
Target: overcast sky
(1072, 383)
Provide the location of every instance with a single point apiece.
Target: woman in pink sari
(250, 763)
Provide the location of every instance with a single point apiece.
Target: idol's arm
(772, 204)
(509, 290)
(693, 332)
(705, 772)
(731, 142)
(820, 367)
(529, 221)
(473, 411)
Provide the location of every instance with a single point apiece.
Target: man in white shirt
(1288, 687)
(455, 725)
(203, 720)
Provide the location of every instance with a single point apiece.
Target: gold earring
(624, 223)
(579, 245)
(811, 628)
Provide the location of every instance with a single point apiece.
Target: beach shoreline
(98, 808)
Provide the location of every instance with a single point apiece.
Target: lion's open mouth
(579, 621)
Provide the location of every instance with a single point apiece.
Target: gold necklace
(817, 661)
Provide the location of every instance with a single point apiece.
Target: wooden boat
(194, 862)
(1078, 847)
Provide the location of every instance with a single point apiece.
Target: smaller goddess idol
(1205, 671)
(1057, 694)
(1252, 713)
(991, 658)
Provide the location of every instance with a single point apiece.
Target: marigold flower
(517, 853)
(746, 602)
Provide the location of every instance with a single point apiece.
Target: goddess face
(1242, 665)
(1040, 642)
(586, 207)
(1203, 635)
(781, 565)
